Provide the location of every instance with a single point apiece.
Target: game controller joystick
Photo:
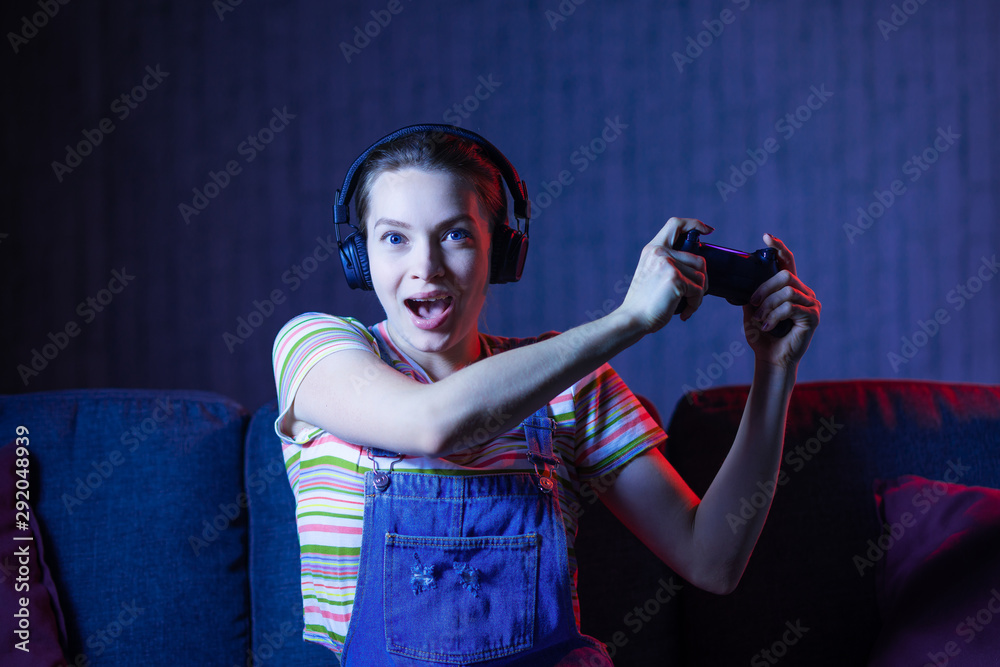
(732, 274)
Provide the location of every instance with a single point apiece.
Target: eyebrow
(461, 217)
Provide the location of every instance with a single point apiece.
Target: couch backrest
(139, 498)
(274, 553)
(840, 437)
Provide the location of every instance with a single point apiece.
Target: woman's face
(428, 249)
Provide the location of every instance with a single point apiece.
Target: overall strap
(382, 477)
(538, 429)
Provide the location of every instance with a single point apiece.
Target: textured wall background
(215, 74)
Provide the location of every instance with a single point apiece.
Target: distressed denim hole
(421, 576)
(456, 600)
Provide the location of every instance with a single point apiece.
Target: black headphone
(510, 245)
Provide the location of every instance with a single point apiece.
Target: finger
(785, 258)
(684, 225)
(775, 283)
(780, 305)
(671, 231)
(803, 314)
(692, 285)
(693, 303)
(688, 260)
(691, 267)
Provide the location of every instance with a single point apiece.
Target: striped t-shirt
(600, 425)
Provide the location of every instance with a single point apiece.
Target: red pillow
(937, 572)
(33, 627)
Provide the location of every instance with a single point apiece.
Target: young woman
(432, 464)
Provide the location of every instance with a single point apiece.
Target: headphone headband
(510, 245)
(518, 189)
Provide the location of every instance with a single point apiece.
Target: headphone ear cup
(510, 248)
(354, 257)
(361, 251)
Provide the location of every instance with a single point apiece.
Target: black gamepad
(732, 274)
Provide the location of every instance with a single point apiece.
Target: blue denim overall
(467, 570)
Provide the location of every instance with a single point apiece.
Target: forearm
(346, 394)
(495, 394)
(724, 531)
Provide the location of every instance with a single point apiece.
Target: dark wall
(546, 88)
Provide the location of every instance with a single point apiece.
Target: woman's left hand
(781, 297)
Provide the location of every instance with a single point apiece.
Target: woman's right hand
(664, 275)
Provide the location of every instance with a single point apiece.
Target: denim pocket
(460, 599)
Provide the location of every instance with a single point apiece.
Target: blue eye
(393, 238)
(458, 235)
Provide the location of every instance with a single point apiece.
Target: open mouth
(431, 312)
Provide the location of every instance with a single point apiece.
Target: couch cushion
(274, 553)
(937, 576)
(840, 437)
(138, 494)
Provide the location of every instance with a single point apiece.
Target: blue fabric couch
(168, 525)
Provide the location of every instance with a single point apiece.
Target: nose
(427, 261)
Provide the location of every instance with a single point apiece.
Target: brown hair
(433, 151)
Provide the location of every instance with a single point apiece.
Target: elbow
(444, 441)
(421, 427)
(431, 441)
(723, 586)
(435, 435)
(438, 442)
(722, 579)
(719, 586)
(443, 430)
